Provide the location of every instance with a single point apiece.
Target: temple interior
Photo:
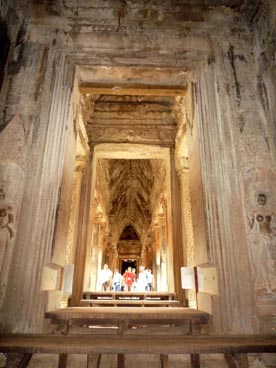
(138, 134)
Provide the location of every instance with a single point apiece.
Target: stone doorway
(125, 263)
(134, 148)
(132, 143)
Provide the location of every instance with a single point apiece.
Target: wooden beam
(62, 360)
(120, 361)
(195, 360)
(93, 360)
(15, 360)
(164, 358)
(133, 90)
(236, 360)
(136, 344)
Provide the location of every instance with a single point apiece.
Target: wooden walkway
(127, 298)
(125, 318)
(234, 348)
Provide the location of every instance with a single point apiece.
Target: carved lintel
(132, 135)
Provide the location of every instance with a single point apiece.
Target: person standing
(142, 279)
(117, 280)
(105, 278)
(149, 277)
(134, 284)
(128, 279)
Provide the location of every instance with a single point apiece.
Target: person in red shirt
(129, 277)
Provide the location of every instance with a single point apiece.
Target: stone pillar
(163, 253)
(178, 259)
(101, 250)
(157, 258)
(215, 128)
(187, 222)
(71, 239)
(107, 253)
(114, 258)
(75, 204)
(143, 259)
(45, 133)
(94, 257)
(12, 180)
(149, 256)
(83, 234)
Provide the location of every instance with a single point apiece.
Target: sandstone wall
(232, 64)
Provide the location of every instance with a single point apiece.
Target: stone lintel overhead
(121, 134)
(132, 90)
(133, 118)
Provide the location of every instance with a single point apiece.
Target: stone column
(163, 253)
(216, 127)
(178, 259)
(70, 247)
(101, 249)
(45, 133)
(12, 178)
(157, 258)
(83, 234)
(94, 257)
(143, 259)
(187, 222)
(114, 257)
(75, 204)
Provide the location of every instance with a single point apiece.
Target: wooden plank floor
(128, 302)
(136, 344)
(129, 294)
(122, 313)
(124, 319)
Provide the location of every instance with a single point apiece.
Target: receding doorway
(125, 263)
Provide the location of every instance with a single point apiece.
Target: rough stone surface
(68, 90)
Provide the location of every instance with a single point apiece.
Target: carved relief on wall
(11, 191)
(261, 213)
(7, 232)
(6, 229)
(135, 135)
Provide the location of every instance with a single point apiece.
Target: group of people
(129, 281)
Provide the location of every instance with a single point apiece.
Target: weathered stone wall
(234, 77)
(195, 177)
(259, 173)
(27, 91)
(239, 166)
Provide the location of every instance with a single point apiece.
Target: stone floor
(138, 361)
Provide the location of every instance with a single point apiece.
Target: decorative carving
(261, 199)
(261, 202)
(158, 135)
(6, 229)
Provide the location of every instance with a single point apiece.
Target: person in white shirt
(105, 278)
(117, 280)
(142, 279)
(149, 277)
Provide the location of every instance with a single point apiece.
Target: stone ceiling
(123, 10)
(132, 187)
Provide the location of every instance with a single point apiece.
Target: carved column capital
(80, 165)
(181, 165)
